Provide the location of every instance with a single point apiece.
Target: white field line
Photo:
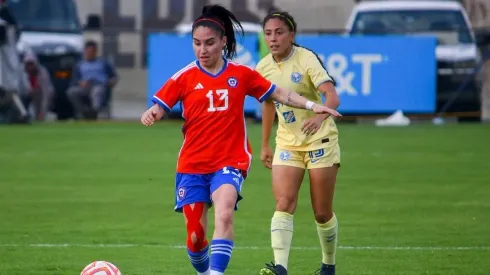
(405, 248)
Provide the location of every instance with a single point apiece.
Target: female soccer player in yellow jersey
(304, 141)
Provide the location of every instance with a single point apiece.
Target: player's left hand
(312, 125)
(320, 109)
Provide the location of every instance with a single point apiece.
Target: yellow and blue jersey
(302, 73)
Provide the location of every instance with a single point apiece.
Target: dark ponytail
(224, 22)
(289, 21)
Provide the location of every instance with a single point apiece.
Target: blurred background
(82, 180)
(365, 45)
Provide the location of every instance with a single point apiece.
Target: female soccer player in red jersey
(215, 156)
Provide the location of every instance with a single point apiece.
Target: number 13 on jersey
(219, 102)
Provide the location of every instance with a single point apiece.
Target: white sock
(208, 272)
(214, 272)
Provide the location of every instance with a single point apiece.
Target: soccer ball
(100, 268)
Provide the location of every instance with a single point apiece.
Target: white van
(457, 52)
(52, 30)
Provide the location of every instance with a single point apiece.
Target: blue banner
(379, 74)
(373, 74)
(168, 53)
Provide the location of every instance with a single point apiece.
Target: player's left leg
(225, 189)
(323, 167)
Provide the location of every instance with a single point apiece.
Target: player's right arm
(151, 115)
(163, 100)
(268, 116)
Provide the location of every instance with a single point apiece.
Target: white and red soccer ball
(101, 268)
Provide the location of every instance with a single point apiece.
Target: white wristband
(309, 105)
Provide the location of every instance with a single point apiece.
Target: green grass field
(412, 200)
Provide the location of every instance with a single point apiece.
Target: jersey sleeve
(168, 95)
(258, 86)
(315, 70)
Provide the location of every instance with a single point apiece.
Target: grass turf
(412, 200)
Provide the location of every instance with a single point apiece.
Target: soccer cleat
(273, 269)
(326, 269)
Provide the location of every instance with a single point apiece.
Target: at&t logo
(338, 65)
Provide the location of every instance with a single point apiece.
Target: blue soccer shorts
(192, 188)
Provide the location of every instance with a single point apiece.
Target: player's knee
(196, 241)
(196, 233)
(224, 217)
(286, 203)
(323, 216)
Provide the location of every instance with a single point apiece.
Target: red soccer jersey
(215, 134)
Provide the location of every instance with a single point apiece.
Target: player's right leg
(288, 170)
(193, 199)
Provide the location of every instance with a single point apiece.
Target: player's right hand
(321, 109)
(151, 115)
(266, 156)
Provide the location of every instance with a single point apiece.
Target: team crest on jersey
(289, 117)
(181, 193)
(232, 82)
(285, 155)
(296, 77)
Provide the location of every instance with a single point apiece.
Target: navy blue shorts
(192, 188)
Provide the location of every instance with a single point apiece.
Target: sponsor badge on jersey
(289, 116)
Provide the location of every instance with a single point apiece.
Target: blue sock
(220, 254)
(200, 260)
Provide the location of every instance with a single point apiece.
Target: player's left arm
(322, 81)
